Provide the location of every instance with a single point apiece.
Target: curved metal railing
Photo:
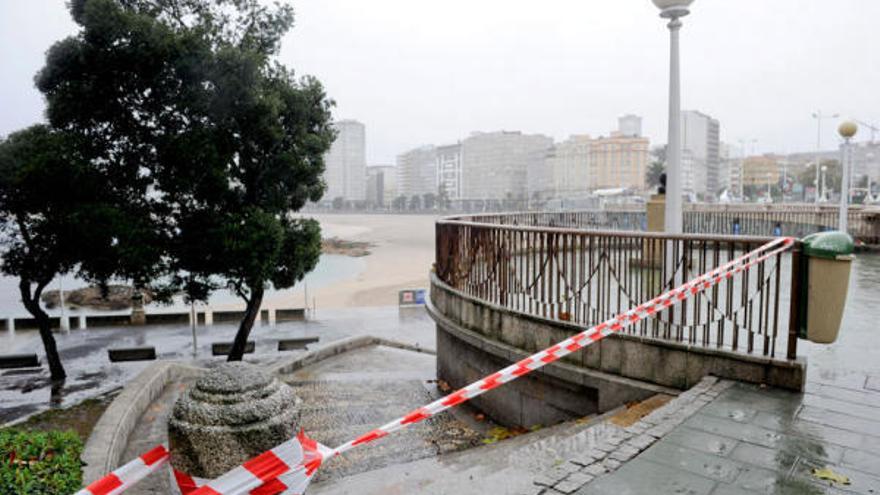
(584, 267)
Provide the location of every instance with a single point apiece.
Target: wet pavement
(90, 373)
(353, 393)
(756, 440)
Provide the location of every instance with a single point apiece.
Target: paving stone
(604, 447)
(637, 428)
(732, 429)
(862, 461)
(543, 480)
(624, 453)
(533, 490)
(701, 441)
(763, 457)
(700, 463)
(661, 430)
(587, 458)
(611, 464)
(572, 483)
(723, 489)
(614, 440)
(641, 442)
(861, 410)
(741, 413)
(759, 480)
(645, 477)
(860, 482)
(842, 421)
(597, 469)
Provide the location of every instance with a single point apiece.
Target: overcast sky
(430, 72)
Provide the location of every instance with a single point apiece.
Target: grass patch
(39, 462)
(42, 454)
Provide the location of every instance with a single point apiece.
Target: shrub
(40, 463)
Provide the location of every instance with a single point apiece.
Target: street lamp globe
(673, 8)
(848, 129)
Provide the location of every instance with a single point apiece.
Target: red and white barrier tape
(126, 476)
(576, 342)
(289, 467)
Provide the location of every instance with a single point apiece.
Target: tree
(807, 176)
(652, 176)
(338, 203)
(429, 200)
(399, 203)
(187, 96)
(53, 219)
(415, 202)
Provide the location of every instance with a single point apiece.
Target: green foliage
(183, 98)
(655, 170)
(807, 176)
(56, 216)
(40, 463)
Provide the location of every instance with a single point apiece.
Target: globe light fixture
(848, 129)
(672, 9)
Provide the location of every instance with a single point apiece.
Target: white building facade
(701, 142)
(449, 176)
(417, 171)
(346, 163)
(495, 164)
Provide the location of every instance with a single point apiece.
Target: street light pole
(674, 10)
(846, 130)
(818, 115)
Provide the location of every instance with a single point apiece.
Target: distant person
(737, 229)
(777, 230)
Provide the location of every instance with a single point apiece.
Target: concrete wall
(475, 338)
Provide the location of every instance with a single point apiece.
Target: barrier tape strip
(293, 482)
(576, 342)
(126, 476)
(289, 467)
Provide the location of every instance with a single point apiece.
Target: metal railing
(796, 220)
(553, 266)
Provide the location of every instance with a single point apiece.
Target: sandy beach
(400, 258)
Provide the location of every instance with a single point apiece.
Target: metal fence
(792, 220)
(553, 266)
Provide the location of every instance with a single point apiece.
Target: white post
(673, 147)
(846, 130)
(209, 317)
(82, 322)
(10, 326)
(844, 187)
(64, 322)
(193, 319)
(272, 317)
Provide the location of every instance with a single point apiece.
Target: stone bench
(132, 354)
(19, 361)
(295, 344)
(223, 348)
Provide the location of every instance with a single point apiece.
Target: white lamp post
(824, 198)
(819, 116)
(674, 10)
(846, 130)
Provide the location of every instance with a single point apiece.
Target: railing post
(794, 304)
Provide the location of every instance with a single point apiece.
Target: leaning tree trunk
(32, 304)
(244, 329)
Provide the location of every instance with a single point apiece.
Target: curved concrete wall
(475, 338)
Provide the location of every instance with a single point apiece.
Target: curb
(109, 438)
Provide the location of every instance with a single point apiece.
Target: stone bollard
(233, 413)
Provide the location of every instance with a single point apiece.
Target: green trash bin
(829, 258)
